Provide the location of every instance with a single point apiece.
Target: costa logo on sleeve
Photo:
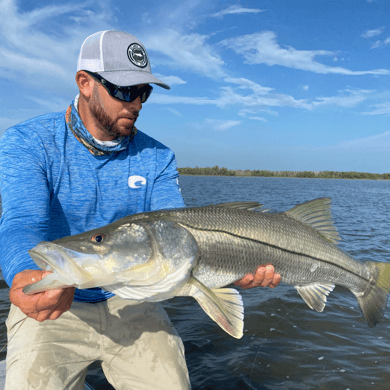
(137, 55)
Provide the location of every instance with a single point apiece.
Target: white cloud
(237, 9)
(305, 87)
(386, 41)
(170, 80)
(373, 33)
(245, 111)
(208, 125)
(377, 44)
(83, 14)
(257, 118)
(220, 125)
(348, 98)
(262, 48)
(376, 143)
(189, 52)
(261, 99)
(173, 111)
(381, 109)
(41, 58)
(184, 15)
(159, 98)
(247, 84)
(146, 18)
(260, 96)
(258, 99)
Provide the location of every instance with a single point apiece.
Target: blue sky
(274, 84)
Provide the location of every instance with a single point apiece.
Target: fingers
(51, 307)
(264, 276)
(246, 281)
(274, 278)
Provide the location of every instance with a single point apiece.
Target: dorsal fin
(239, 205)
(316, 213)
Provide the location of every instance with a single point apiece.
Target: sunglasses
(126, 94)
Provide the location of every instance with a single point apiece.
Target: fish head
(136, 253)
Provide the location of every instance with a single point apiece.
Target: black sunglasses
(126, 94)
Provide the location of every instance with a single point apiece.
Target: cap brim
(130, 77)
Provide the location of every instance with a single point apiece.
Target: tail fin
(373, 302)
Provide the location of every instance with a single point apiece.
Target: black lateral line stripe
(275, 247)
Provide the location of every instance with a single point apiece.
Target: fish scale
(258, 238)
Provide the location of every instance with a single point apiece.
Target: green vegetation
(214, 171)
(217, 171)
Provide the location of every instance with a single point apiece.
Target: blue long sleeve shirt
(52, 186)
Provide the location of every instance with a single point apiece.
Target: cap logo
(137, 55)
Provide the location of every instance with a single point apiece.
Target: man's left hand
(264, 276)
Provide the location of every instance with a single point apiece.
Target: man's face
(115, 117)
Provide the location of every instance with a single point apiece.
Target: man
(69, 172)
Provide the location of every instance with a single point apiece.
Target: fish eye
(98, 237)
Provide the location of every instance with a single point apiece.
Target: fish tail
(373, 301)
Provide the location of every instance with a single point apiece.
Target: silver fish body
(300, 243)
(231, 240)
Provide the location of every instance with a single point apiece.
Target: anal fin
(223, 305)
(315, 294)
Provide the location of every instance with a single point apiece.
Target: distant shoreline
(216, 171)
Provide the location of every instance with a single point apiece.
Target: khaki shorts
(137, 344)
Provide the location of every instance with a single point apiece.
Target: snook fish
(195, 251)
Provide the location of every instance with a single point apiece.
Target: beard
(109, 125)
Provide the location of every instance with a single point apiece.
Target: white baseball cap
(118, 57)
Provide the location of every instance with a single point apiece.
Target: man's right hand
(47, 305)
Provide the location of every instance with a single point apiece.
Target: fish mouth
(50, 256)
(45, 258)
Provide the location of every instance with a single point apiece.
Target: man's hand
(264, 276)
(47, 305)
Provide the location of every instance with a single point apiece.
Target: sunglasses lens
(126, 94)
(121, 95)
(145, 92)
(129, 94)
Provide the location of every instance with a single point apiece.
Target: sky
(267, 84)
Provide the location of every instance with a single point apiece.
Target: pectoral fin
(223, 305)
(49, 282)
(315, 294)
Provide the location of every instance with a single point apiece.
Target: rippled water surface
(286, 345)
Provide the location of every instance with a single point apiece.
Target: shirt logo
(136, 181)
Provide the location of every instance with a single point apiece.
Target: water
(286, 345)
